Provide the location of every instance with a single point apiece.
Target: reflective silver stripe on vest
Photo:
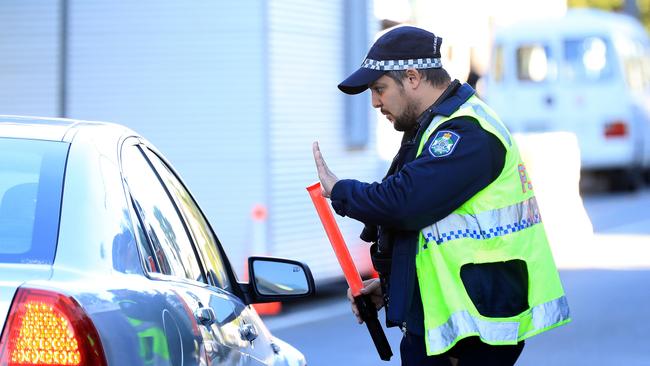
(485, 225)
(481, 112)
(462, 324)
(478, 109)
(432, 126)
(550, 313)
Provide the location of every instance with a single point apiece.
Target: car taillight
(48, 328)
(616, 129)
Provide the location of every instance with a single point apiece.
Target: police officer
(465, 267)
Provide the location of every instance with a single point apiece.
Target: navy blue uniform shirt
(426, 189)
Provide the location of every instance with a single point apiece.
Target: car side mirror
(278, 279)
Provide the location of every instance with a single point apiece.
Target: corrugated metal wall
(29, 61)
(187, 76)
(306, 51)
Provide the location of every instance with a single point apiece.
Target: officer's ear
(413, 78)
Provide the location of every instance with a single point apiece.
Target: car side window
(174, 254)
(204, 238)
(146, 249)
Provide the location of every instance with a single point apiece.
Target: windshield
(31, 180)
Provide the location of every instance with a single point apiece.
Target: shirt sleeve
(450, 170)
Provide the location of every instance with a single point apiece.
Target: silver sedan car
(106, 258)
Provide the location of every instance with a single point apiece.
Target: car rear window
(31, 180)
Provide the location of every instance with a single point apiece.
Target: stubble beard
(408, 119)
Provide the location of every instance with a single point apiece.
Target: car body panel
(14, 275)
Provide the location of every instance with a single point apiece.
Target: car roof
(38, 128)
(51, 129)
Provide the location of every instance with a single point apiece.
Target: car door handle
(205, 315)
(248, 332)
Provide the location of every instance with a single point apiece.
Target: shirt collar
(448, 102)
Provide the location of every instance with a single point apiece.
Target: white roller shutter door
(306, 48)
(29, 57)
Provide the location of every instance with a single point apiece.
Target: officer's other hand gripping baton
(367, 309)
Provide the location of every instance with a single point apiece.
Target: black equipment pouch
(380, 260)
(381, 254)
(369, 233)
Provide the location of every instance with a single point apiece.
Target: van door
(535, 94)
(634, 55)
(521, 86)
(594, 100)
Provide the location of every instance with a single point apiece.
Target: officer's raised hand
(326, 177)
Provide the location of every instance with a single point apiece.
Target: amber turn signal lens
(48, 328)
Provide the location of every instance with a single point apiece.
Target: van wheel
(625, 180)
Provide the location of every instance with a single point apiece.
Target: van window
(497, 65)
(635, 56)
(534, 63)
(587, 59)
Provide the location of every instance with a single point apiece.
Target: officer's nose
(376, 103)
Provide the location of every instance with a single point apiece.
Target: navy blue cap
(400, 48)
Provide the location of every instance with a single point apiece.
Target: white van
(587, 72)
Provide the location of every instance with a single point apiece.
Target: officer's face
(393, 102)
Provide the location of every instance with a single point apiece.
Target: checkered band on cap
(389, 65)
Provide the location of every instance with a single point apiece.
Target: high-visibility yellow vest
(500, 223)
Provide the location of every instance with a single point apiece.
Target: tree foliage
(642, 7)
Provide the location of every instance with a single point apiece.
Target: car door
(226, 328)
(249, 334)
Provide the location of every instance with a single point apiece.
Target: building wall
(29, 57)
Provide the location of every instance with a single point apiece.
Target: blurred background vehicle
(107, 259)
(587, 72)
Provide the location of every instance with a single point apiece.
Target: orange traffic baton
(367, 309)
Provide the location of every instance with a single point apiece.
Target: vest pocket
(499, 289)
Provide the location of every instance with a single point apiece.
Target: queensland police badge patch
(443, 143)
